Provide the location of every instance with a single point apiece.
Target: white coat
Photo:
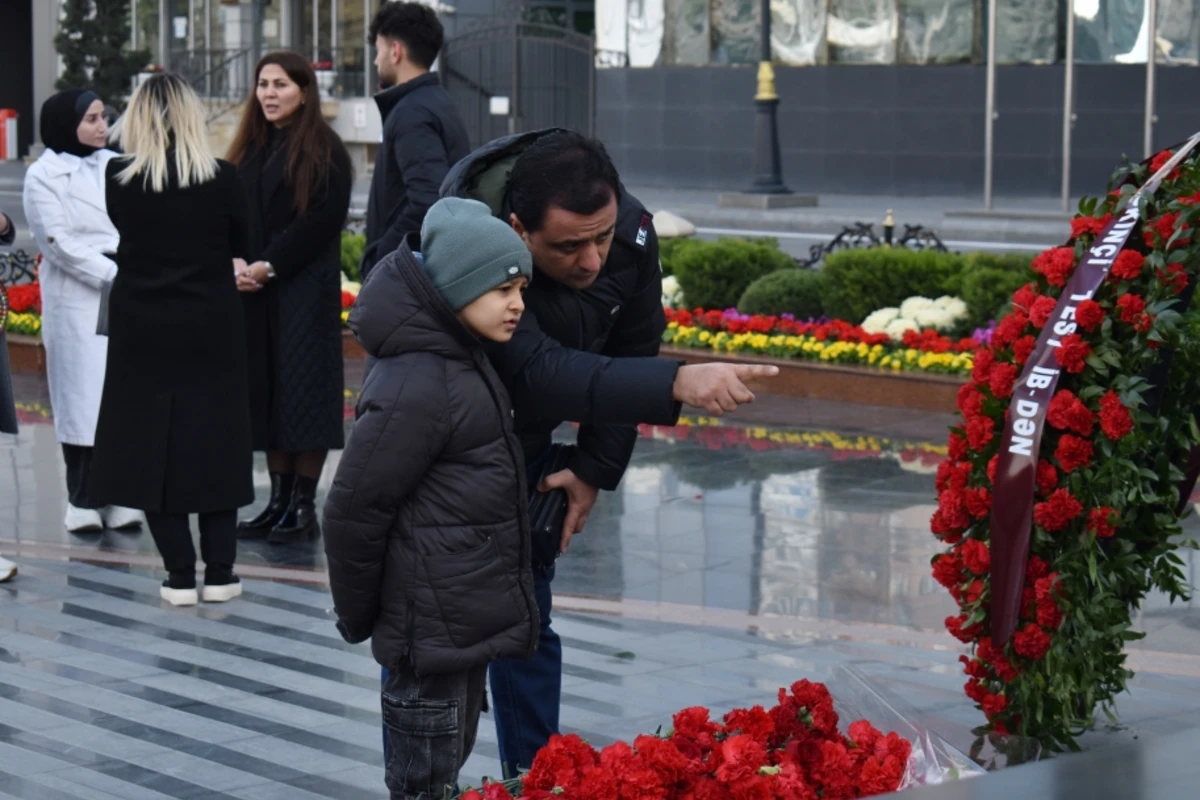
(65, 208)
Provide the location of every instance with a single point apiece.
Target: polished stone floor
(735, 558)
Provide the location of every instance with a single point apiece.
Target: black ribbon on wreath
(1012, 519)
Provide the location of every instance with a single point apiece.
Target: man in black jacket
(585, 350)
(423, 134)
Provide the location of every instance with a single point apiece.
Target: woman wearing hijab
(65, 207)
(174, 433)
(298, 177)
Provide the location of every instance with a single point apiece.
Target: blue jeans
(526, 694)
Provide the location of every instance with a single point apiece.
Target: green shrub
(787, 291)
(669, 251)
(353, 245)
(988, 282)
(856, 282)
(716, 274)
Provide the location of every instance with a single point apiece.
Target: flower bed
(25, 309)
(794, 751)
(1060, 503)
(831, 342)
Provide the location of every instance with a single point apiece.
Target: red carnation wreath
(1102, 466)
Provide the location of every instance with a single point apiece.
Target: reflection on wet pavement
(764, 520)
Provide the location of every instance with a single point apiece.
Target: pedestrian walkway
(732, 561)
(1027, 221)
(1020, 220)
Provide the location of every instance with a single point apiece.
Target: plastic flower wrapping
(802, 748)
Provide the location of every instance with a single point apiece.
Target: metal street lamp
(768, 173)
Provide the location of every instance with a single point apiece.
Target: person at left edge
(65, 206)
(174, 432)
(298, 177)
(8, 410)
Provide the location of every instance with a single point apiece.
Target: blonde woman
(64, 203)
(174, 432)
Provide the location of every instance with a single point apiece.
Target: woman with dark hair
(298, 176)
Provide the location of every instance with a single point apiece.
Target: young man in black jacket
(423, 134)
(585, 350)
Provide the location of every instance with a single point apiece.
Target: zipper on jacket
(510, 439)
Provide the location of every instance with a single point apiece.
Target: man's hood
(483, 175)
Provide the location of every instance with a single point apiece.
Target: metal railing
(223, 77)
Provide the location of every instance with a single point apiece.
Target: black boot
(277, 506)
(300, 520)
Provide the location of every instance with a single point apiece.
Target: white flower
(953, 306)
(672, 297)
(353, 287)
(897, 328)
(878, 321)
(912, 305)
(936, 318)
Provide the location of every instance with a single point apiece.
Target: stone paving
(732, 561)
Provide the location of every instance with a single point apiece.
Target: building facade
(889, 96)
(877, 96)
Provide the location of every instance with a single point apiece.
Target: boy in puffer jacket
(426, 529)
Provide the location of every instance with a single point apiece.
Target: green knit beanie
(468, 252)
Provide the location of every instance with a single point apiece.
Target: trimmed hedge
(758, 278)
(856, 282)
(988, 282)
(669, 251)
(786, 291)
(716, 274)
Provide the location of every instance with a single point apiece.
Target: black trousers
(218, 541)
(79, 466)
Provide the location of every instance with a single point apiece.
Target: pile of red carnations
(794, 751)
(1118, 436)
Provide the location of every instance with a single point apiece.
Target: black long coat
(294, 323)
(174, 428)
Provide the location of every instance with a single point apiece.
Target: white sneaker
(83, 519)
(7, 569)
(222, 593)
(120, 518)
(179, 597)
